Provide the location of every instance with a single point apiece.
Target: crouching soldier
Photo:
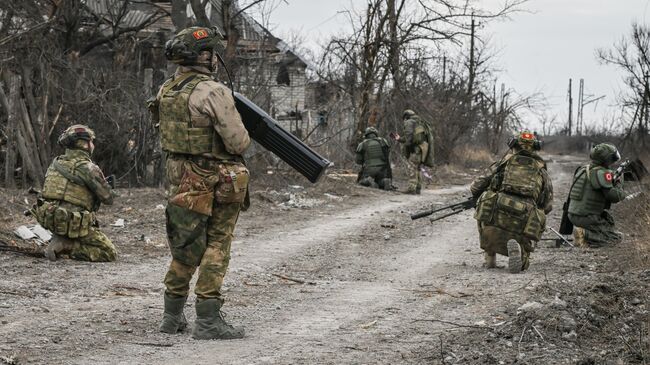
(373, 156)
(592, 193)
(513, 200)
(73, 190)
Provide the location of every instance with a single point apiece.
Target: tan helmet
(72, 134)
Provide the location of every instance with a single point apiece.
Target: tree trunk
(179, 14)
(199, 12)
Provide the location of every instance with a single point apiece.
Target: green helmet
(604, 154)
(371, 130)
(408, 113)
(184, 48)
(70, 136)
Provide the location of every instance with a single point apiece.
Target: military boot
(210, 324)
(173, 318)
(57, 246)
(490, 261)
(579, 237)
(515, 263)
(387, 184)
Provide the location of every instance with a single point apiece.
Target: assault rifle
(454, 209)
(634, 169)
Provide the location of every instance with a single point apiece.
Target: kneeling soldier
(73, 190)
(592, 193)
(513, 200)
(373, 155)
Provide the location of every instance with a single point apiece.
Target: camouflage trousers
(415, 174)
(494, 241)
(215, 260)
(95, 247)
(599, 229)
(374, 176)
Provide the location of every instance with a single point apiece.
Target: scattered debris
(118, 223)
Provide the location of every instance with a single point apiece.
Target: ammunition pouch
(233, 184)
(63, 222)
(511, 213)
(485, 207)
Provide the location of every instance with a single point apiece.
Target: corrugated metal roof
(138, 13)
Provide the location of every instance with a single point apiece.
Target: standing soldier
(73, 190)
(513, 200)
(418, 148)
(592, 193)
(373, 156)
(204, 138)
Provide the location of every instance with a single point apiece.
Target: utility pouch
(87, 219)
(511, 213)
(74, 225)
(196, 190)
(187, 234)
(485, 206)
(233, 183)
(535, 225)
(60, 221)
(48, 216)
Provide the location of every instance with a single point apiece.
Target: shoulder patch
(604, 178)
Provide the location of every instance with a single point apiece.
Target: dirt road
(377, 288)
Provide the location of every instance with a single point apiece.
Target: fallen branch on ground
(453, 323)
(294, 280)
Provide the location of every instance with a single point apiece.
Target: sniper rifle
(454, 209)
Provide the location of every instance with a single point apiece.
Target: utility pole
(444, 70)
(570, 110)
(581, 96)
(472, 65)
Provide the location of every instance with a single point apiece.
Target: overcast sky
(539, 50)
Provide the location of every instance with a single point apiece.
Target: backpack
(427, 136)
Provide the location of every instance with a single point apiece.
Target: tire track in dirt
(313, 317)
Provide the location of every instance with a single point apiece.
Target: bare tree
(631, 54)
(387, 37)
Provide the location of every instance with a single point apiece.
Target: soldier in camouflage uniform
(73, 190)
(592, 193)
(416, 147)
(204, 137)
(513, 199)
(373, 155)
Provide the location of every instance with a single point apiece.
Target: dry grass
(471, 157)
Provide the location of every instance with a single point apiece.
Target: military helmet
(184, 48)
(72, 134)
(371, 130)
(604, 153)
(408, 113)
(526, 140)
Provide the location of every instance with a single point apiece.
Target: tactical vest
(585, 199)
(177, 131)
(373, 153)
(521, 177)
(63, 184)
(423, 137)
